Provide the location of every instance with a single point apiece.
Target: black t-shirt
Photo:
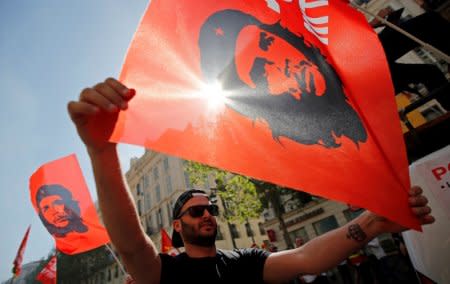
(237, 266)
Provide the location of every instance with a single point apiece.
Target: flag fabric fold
(295, 93)
(62, 201)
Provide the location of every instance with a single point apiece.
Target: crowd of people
(383, 260)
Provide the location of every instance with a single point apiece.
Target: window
(158, 193)
(147, 201)
(352, 214)
(109, 275)
(169, 212)
(116, 271)
(169, 184)
(432, 112)
(219, 235)
(272, 235)
(145, 181)
(300, 233)
(186, 180)
(155, 173)
(262, 231)
(159, 219)
(327, 224)
(139, 206)
(138, 189)
(150, 228)
(248, 229)
(166, 164)
(234, 231)
(149, 221)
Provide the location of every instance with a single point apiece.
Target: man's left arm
(328, 250)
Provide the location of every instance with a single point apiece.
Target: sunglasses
(198, 211)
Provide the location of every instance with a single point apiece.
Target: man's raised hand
(96, 111)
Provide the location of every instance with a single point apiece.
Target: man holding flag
(94, 116)
(289, 101)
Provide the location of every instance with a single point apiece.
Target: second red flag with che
(62, 201)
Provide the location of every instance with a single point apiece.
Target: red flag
(48, 273)
(19, 257)
(61, 198)
(166, 244)
(296, 93)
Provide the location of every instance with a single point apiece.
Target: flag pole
(425, 45)
(17, 263)
(116, 259)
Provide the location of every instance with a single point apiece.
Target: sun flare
(215, 95)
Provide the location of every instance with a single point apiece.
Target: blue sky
(49, 51)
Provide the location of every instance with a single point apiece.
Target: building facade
(314, 219)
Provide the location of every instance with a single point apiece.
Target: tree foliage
(237, 192)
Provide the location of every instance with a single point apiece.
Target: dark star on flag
(219, 32)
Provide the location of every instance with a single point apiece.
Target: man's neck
(200, 251)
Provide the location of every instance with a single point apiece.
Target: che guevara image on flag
(62, 201)
(297, 93)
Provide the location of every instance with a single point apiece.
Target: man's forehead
(196, 200)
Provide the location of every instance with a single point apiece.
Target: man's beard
(312, 119)
(191, 235)
(61, 218)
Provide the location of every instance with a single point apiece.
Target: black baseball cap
(182, 199)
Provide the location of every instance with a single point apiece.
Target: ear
(176, 224)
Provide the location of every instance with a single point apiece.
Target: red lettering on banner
(440, 171)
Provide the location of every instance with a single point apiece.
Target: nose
(206, 213)
(58, 208)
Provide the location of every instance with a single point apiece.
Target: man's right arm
(94, 116)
